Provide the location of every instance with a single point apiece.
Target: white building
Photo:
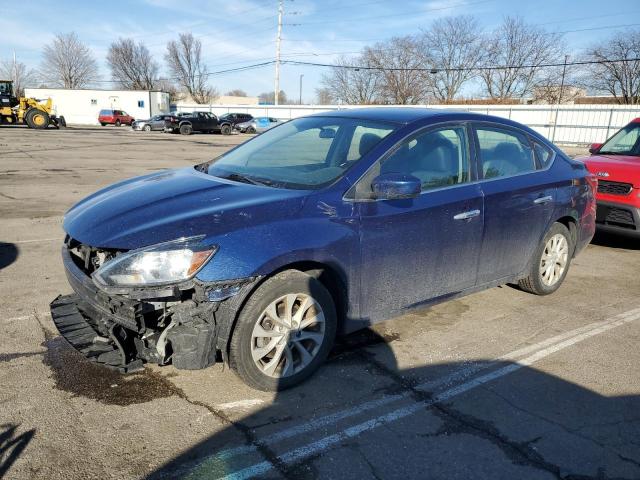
(80, 106)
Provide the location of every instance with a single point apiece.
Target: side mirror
(393, 186)
(595, 147)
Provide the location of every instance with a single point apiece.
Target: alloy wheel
(554, 259)
(288, 335)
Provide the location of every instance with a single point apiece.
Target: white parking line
(549, 347)
(240, 404)
(37, 240)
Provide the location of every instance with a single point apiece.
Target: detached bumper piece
(75, 328)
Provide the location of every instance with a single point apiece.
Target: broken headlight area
(162, 323)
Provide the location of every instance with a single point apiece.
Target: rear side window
(544, 155)
(106, 112)
(504, 152)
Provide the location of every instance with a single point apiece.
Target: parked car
(156, 122)
(204, 122)
(115, 117)
(323, 225)
(616, 163)
(258, 125)
(235, 118)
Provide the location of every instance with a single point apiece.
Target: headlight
(161, 264)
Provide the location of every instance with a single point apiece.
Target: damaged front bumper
(183, 325)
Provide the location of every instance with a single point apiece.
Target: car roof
(406, 114)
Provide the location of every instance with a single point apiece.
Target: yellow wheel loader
(14, 110)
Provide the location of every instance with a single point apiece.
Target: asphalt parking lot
(499, 385)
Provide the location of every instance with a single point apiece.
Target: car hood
(173, 204)
(617, 168)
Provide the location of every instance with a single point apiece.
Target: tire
(103, 124)
(117, 124)
(246, 341)
(225, 129)
(62, 122)
(554, 252)
(251, 130)
(147, 128)
(186, 129)
(37, 118)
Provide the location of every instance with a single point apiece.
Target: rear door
(519, 200)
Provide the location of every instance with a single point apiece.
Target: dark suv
(204, 122)
(235, 118)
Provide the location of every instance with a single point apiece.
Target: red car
(115, 117)
(616, 164)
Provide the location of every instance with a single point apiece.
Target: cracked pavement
(500, 384)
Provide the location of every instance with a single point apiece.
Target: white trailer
(82, 106)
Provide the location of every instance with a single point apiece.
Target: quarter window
(504, 152)
(544, 155)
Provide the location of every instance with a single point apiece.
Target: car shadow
(625, 242)
(12, 446)
(9, 253)
(363, 416)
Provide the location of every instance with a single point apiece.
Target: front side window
(438, 158)
(504, 152)
(304, 153)
(625, 142)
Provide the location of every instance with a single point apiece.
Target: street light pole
(301, 75)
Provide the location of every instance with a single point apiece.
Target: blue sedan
(320, 226)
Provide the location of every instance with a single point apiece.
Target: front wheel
(550, 263)
(251, 130)
(225, 130)
(37, 118)
(284, 332)
(147, 128)
(118, 123)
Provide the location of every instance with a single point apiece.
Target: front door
(418, 249)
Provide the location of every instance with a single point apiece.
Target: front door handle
(542, 200)
(466, 215)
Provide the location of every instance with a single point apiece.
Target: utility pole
(301, 75)
(276, 90)
(555, 123)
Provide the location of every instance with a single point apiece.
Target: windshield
(625, 142)
(305, 153)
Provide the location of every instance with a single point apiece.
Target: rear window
(106, 112)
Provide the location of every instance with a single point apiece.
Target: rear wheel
(550, 263)
(251, 130)
(103, 124)
(118, 123)
(36, 118)
(186, 129)
(225, 129)
(284, 332)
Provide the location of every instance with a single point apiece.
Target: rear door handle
(466, 215)
(542, 200)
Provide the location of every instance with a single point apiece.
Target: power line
(456, 69)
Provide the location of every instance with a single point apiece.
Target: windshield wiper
(237, 177)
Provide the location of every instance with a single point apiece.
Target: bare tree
(324, 96)
(236, 93)
(620, 79)
(67, 62)
(453, 48)
(184, 58)
(19, 73)
(131, 65)
(523, 49)
(268, 98)
(165, 85)
(400, 70)
(351, 85)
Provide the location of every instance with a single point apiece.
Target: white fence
(566, 124)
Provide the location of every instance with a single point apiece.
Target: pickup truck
(204, 122)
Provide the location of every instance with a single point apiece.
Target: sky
(239, 33)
